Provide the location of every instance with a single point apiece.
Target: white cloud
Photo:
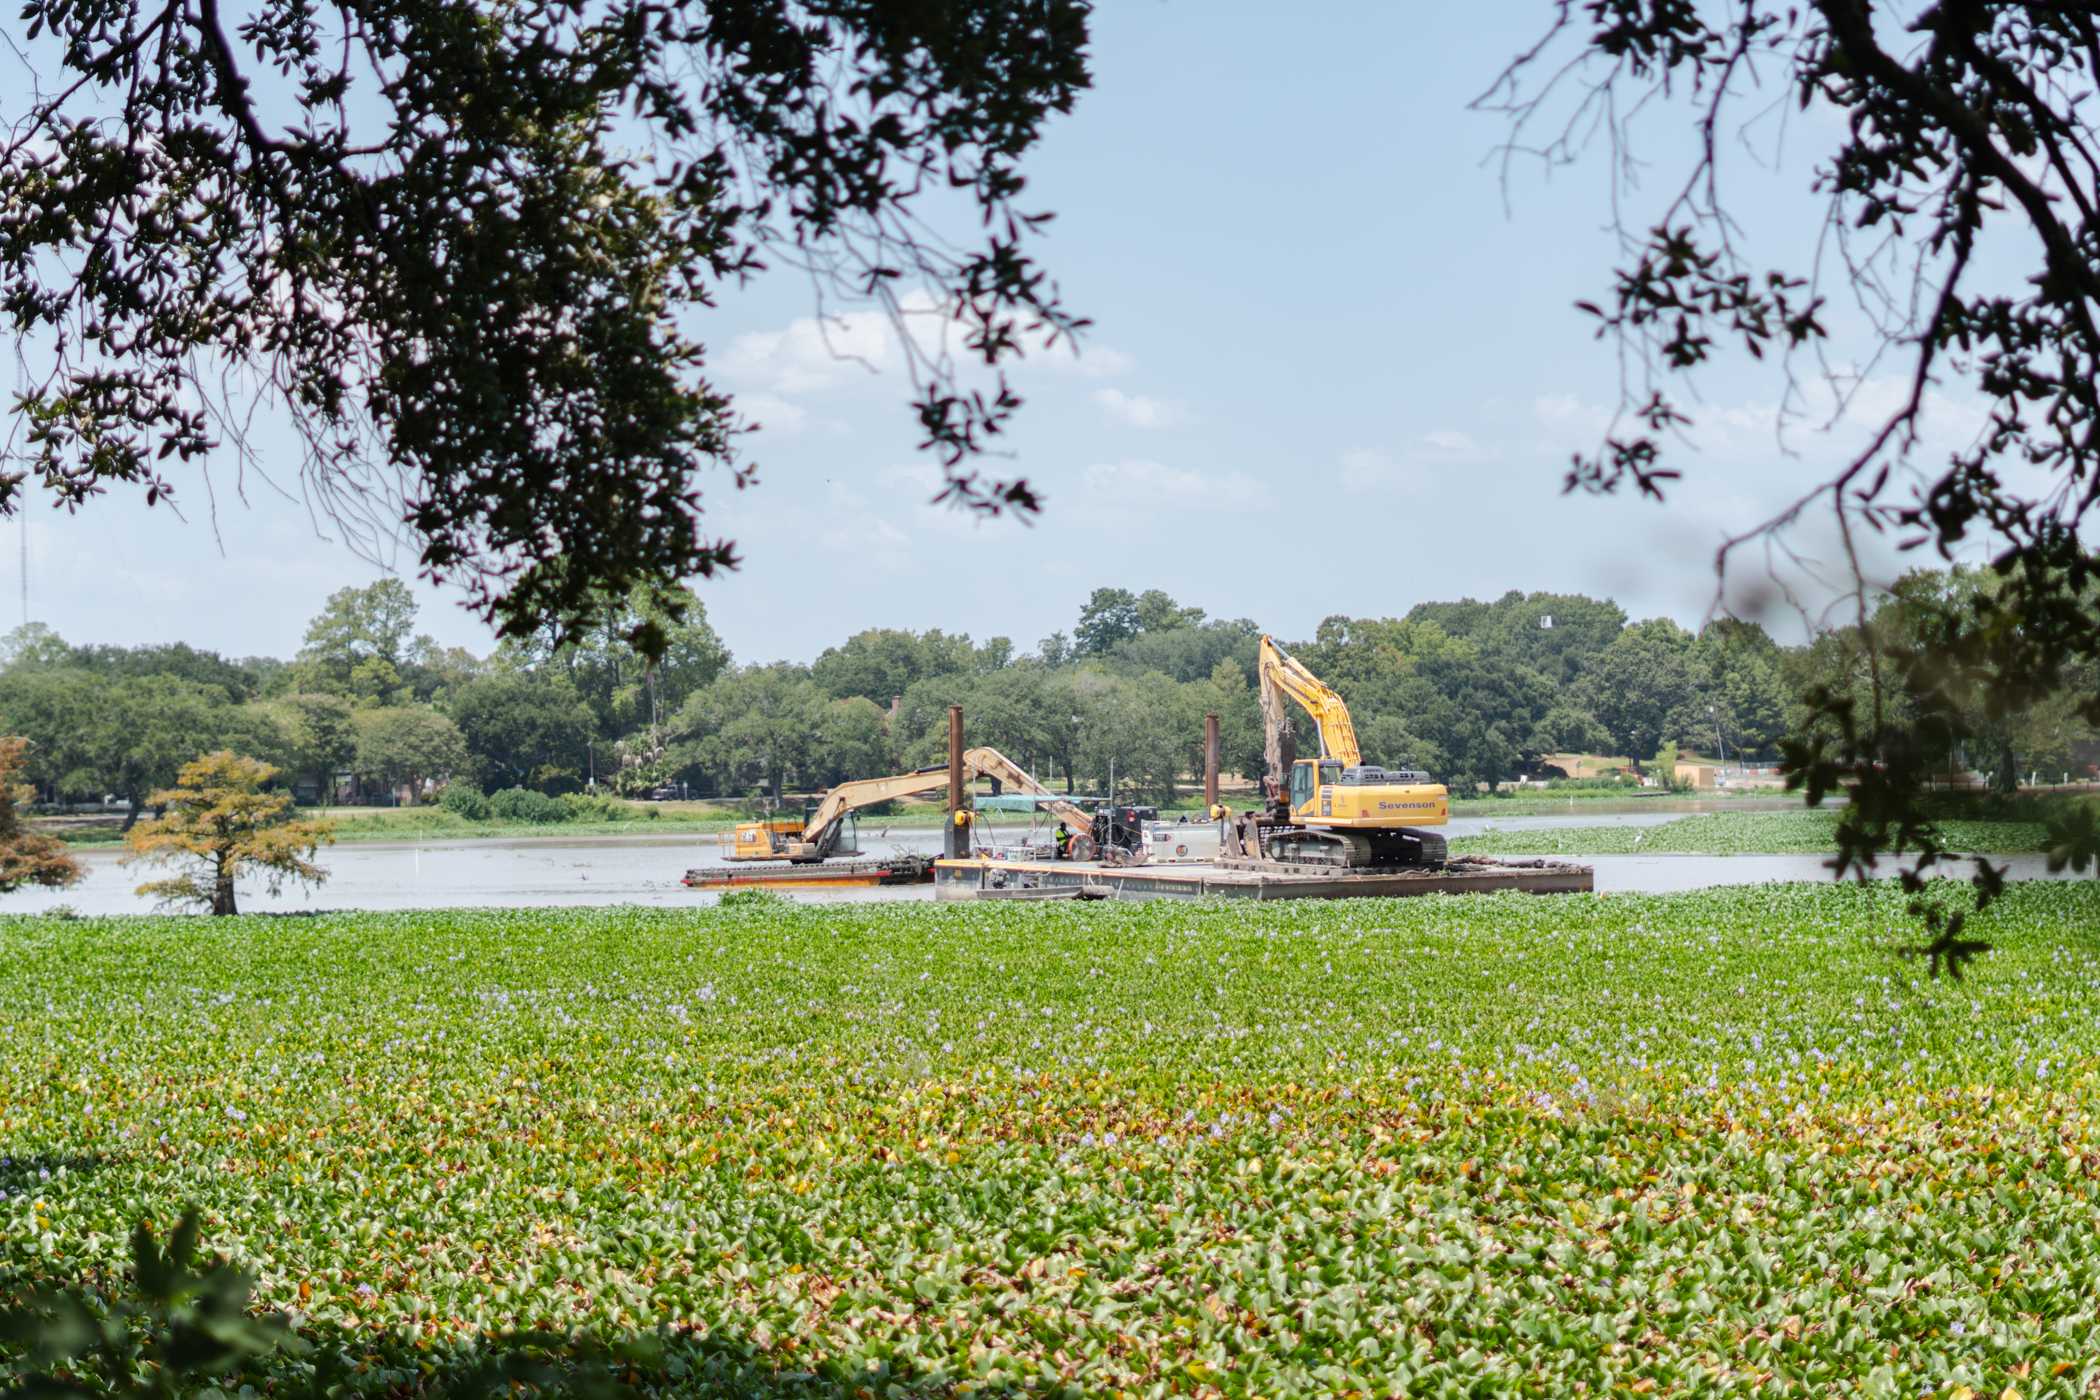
(924, 478)
(815, 354)
(1135, 484)
(773, 414)
(1089, 362)
(1366, 469)
(1369, 469)
(1564, 414)
(1140, 410)
(1819, 425)
(812, 354)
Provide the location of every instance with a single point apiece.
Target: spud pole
(1210, 762)
(958, 841)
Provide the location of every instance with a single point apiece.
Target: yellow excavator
(1334, 811)
(816, 837)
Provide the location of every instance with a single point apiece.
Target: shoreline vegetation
(433, 821)
(1422, 1145)
(1777, 825)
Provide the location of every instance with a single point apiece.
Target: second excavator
(1334, 811)
(816, 837)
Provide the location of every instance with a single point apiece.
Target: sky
(1334, 369)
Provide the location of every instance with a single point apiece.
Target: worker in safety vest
(1064, 842)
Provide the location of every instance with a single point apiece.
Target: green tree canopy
(757, 727)
(92, 736)
(464, 249)
(1739, 691)
(1637, 687)
(524, 729)
(627, 686)
(358, 643)
(403, 746)
(1190, 651)
(1555, 634)
(33, 645)
(315, 736)
(852, 741)
(1110, 616)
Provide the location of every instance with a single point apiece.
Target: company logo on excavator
(1406, 806)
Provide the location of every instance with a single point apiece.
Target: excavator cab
(763, 840)
(1308, 776)
(1304, 782)
(781, 838)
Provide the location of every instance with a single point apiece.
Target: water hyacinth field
(1725, 1143)
(1736, 834)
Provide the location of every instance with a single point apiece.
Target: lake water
(647, 870)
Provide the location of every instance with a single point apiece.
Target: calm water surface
(646, 870)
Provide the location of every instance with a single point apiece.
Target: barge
(981, 877)
(902, 869)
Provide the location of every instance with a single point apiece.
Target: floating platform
(982, 878)
(820, 875)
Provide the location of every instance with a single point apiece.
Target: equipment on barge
(1334, 812)
(815, 851)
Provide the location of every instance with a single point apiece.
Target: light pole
(1714, 714)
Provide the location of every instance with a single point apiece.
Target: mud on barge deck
(992, 878)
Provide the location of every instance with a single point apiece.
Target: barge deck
(837, 874)
(992, 878)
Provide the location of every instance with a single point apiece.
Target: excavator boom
(990, 763)
(1281, 674)
(1335, 810)
(759, 841)
(866, 792)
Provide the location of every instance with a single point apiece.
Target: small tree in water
(26, 858)
(218, 825)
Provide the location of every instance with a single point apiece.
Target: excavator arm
(866, 792)
(1282, 675)
(990, 763)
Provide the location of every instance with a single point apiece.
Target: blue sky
(1329, 374)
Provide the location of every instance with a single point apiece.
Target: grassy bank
(1734, 834)
(354, 824)
(1535, 802)
(668, 818)
(433, 823)
(1442, 1146)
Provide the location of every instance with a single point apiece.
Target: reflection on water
(647, 869)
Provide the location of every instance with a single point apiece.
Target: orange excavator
(819, 835)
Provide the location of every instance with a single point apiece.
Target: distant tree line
(1474, 692)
